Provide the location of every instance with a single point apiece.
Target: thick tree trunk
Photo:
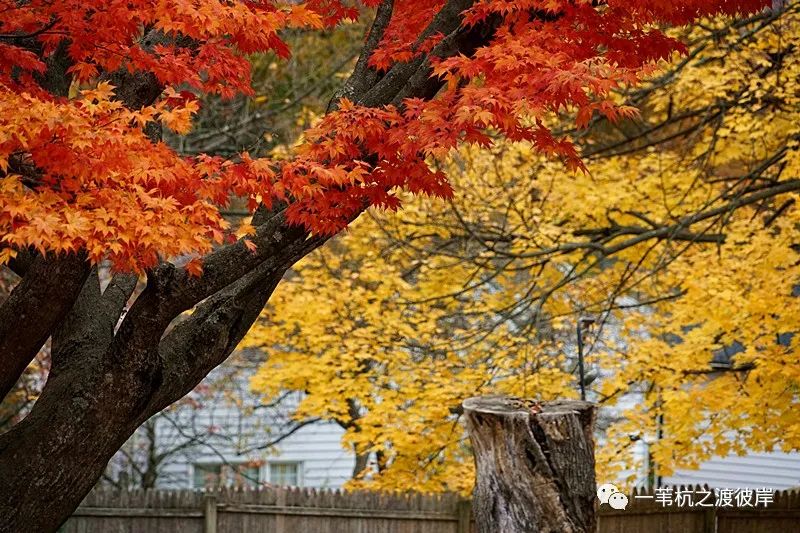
(54, 456)
(535, 465)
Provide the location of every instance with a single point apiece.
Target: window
(287, 474)
(236, 475)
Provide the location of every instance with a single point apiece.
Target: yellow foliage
(665, 240)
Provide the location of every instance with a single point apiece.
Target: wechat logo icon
(610, 494)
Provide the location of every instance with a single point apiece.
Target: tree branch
(34, 308)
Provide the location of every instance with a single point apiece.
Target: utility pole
(583, 322)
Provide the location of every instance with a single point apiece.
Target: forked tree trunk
(534, 463)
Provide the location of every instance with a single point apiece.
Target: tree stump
(534, 464)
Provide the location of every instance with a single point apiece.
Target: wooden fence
(268, 511)
(312, 511)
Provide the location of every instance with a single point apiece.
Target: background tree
(362, 328)
(86, 179)
(681, 239)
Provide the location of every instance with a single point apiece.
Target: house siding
(231, 425)
(776, 470)
(325, 463)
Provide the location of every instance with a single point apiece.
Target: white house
(225, 434)
(776, 470)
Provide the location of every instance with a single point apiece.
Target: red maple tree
(85, 87)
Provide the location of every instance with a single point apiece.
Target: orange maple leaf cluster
(101, 185)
